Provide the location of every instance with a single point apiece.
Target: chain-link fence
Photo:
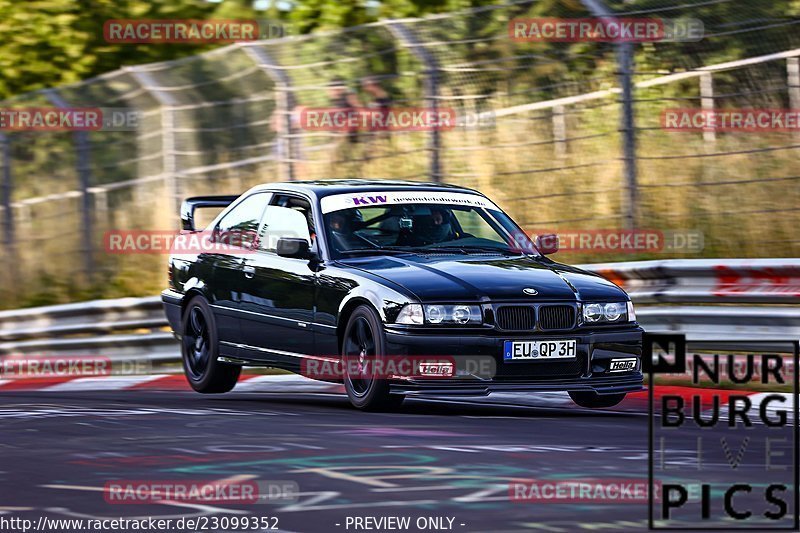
(561, 135)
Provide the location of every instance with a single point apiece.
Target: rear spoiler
(190, 204)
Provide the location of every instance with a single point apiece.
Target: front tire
(363, 343)
(200, 349)
(592, 400)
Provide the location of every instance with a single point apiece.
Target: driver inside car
(428, 229)
(342, 225)
(439, 229)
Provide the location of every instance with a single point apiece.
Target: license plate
(622, 365)
(547, 350)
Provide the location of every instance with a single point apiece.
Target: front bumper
(630, 383)
(589, 371)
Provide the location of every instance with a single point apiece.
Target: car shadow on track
(425, 406)
(315, 403)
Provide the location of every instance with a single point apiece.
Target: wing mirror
(293, 247)
(547, 244)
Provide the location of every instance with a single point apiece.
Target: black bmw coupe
(348, 280)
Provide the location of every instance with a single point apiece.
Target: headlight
(613, 311)
(453, 314)
(410, 314)
(435, 313)
(599, 312)
(460, 314)
(631, 312)
(592, 313)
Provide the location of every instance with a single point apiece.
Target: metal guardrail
(123, 328)
(753, 299)
(137, 328)
(98, 316)
(714, 281)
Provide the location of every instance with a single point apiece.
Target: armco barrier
(746, 299)
(123, 328)
(715, 281)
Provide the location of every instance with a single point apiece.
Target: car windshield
(423, 228)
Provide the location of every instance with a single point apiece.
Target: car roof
(322, 188)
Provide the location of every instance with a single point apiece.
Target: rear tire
(363, 341)
(200, 349)
(592, 400)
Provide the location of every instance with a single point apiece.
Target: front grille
(516, 317)
(534, 370)
(556, 317)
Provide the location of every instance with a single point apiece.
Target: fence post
(707, 103)
(84, 170)
(9, 243)
(560, 131)
(629, 134)
(793, 83)
(284, 106)
(431, 88)
(793, 75)
(169, 166)
(627, 126)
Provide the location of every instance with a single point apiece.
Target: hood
(472, 278)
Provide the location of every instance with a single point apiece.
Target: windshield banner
(338, 202)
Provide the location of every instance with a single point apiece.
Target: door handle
(249, 272)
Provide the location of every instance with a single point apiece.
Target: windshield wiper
(378, 251)
(470, 249)
(465, 250)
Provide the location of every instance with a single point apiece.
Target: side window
(280, 222)
(298, 204)
(240, 226)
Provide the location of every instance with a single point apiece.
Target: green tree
(44, 43)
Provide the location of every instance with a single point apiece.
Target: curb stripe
(291, 383)
(34, 383)
(100, 383)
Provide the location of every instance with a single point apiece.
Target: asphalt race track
(444, 460)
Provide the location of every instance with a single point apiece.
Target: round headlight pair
(436, 314)
(611, 312)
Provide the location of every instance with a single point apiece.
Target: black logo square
(663, 353)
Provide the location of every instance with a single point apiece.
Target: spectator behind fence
(343, 98)
(377, 98)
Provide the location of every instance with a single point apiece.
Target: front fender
(385, 300)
